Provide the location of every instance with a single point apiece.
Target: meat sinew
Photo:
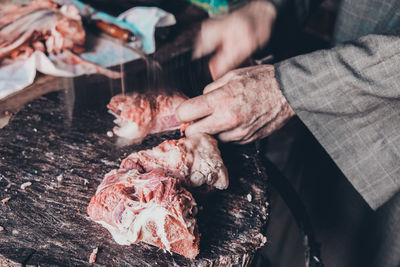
(149, 207)
(137, 115)
(195, 160)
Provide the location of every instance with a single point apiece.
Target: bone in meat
(195, 160)
(148, 207)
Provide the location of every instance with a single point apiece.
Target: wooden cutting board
(65, 158)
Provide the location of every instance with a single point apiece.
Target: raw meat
(11, 12)
(144, 200)
(138, 115)
(40, 21)
(43, 26)
(194, 160)
(150, 207)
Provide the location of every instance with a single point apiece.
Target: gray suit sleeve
(349, 98)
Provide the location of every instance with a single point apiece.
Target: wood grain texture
(47, 223)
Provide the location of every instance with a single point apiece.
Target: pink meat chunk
(137, 115)
(149, 207)
(43, 26)
(23, 27)
(194, 160)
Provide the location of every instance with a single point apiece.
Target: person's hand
(244, 105)
(235, 37)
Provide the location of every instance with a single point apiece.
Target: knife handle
(114, 31)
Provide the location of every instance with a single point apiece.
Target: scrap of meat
(70, 58)
(11, 12)
(57, 29)
(150, 207)
(195, 160)
(43, 26)
(138, 115)
(93, 255)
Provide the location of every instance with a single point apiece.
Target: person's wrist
(289, 111)
(286, 108)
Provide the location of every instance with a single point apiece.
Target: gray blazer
(349, 96)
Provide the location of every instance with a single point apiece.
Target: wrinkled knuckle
(239, 117)
(233, 118)
(225, 94)
(209, 105)
(241, 98)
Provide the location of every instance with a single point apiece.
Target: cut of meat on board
(138, 115)
(144, 200)
(149, 207)
(195, 160)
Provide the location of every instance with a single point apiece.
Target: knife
(108, 24)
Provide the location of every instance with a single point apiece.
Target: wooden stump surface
(65, 158)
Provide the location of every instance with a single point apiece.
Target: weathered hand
(235, 37)
(244, 105)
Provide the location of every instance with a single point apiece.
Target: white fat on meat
(132, 225)
(128, 130)
(148, 207)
